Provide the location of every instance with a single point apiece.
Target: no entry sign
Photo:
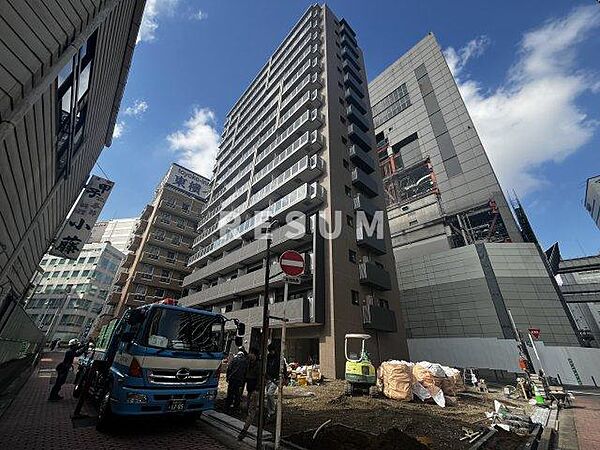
(292, 263)
(535, 332)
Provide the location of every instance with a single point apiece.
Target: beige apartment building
(300, 139)
(156, 259)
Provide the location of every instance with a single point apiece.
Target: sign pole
(282, 373)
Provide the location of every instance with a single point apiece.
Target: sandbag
(433, 384)
(395, 379)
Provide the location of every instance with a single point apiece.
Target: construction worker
(236, 376)
(75, 349)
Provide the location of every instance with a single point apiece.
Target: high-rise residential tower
(156, 259)
(63, 68)
(300, 139)
(462, 264)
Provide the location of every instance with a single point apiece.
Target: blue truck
(160, 359)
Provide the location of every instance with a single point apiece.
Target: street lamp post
(264, 341)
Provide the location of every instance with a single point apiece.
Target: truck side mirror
(241, 329)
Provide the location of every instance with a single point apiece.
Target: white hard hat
(73, 342)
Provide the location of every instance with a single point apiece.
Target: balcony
(163, 261)
(146, 212)
(303, 199)
(349, 53)
(348, 32)
(362, 203)
(174, 226)
(284, 238)
(370, 242)
(346, 39)
(178, 210)
(348, 57)
(357, 118)
(133, 299)
(122, 277)
(365, 183)
(157, 281)
(114, 298)
(360, 138)
(299, 311)
(134, 242)
(378, 318)
(361, 159)
(169, 244)
(353, 99)
(140, 226)
(128, 260)
(249, 283)
(370, 274)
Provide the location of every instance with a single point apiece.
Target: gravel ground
(438, 428)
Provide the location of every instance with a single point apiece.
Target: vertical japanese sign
(78, 226)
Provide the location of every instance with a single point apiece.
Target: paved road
(31, 422)
(587, 420)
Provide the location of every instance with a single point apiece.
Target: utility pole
(521, 345)
(282, 370)
(264, 341)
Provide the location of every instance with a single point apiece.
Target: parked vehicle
(160, 359)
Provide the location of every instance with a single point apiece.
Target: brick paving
(31, 422)
(587, 421)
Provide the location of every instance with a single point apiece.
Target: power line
(102, 170)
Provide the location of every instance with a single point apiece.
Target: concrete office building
(50, 138)
(460, 257)
(592, 198)
(116, 231)
(158, 251)
(71, 293)
(301, 139)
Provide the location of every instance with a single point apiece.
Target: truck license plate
(176, 405)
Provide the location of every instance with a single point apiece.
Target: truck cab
(160, 359)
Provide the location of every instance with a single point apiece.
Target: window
(352, 256)
(227, 308)
(355, 299)
(342, 102)
(343, 120)
(350, 220)
(346, 164)
(384, 303)
(85, 273)
(394, 103)
(348, 191)
(344, 140)
(185, 206)
(171, 257)
(140, 289)
(159, 293)
(72, 85)
(91, 260)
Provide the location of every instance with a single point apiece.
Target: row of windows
(394, 103)
(60, 261)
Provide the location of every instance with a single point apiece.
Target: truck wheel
(104, 412)
(349, 389)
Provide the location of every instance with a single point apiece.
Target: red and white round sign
(292, 263)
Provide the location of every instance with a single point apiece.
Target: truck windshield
(184, 330)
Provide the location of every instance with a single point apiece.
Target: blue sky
(527, 70)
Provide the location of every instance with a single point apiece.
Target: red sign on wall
(535, 332)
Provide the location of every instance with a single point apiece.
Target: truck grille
(179, 377)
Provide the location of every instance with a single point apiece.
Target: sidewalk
(31, 422)
(587, 421)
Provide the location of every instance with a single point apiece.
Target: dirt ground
(429, 424)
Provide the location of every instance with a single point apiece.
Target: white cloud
(474, 48)
(532, 118)
(139, 107)
(200, 15)
(118, 130)
(197, 143)
(150, 20)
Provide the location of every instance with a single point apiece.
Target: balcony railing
(373, 275)
(362, 203)
(364, 182)
(359, 137)
(361, 159)
(378, 318)
(372, 243)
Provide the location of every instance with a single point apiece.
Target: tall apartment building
(64, 66)
(592, 198)
(461, 260)
(159, 249)
(71, 293)
(300, 139)
(116, 231)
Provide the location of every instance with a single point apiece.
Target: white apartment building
(116, 231)
(70, 294)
